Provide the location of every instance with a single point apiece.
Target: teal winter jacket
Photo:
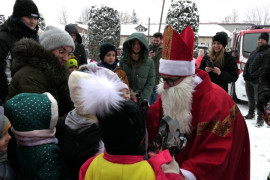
(142, 79)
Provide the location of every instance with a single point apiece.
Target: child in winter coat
(72, 64)
(33, 118)
(81, 138)
(107, 55)
(122, 129)
(6, 172)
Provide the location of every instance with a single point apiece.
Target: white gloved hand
(171, 167)
(92, 66)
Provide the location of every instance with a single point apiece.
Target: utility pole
(148, 30)
(161, 15)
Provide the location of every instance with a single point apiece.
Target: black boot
(260, 121)
(250, 116)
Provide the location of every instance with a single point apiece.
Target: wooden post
(161, 15)
(149, 30)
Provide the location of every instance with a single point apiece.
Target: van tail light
(242, 66)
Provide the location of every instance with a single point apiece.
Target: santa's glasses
(170, 81)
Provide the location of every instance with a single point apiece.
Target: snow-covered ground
(259, 147)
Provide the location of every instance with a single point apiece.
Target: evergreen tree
(134, 19)
(182, 13)
(103, 27)
(41, 22)
(2, 19)
(85, 41)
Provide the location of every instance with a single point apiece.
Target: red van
(243, 43)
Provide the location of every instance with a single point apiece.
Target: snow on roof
(205, 30)
(128, 29)
(83, 26)
(209, 30)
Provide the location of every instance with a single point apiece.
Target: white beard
(177, 102)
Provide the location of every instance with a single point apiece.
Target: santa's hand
(171, 167)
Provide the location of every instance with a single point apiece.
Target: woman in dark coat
(79, 47)
(220, 65)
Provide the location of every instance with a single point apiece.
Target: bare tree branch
(63, 16)
(266, 18)
(259, 15)
(84, 15)
(233, 17)
(124, 17)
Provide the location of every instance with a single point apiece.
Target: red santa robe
(218, 146)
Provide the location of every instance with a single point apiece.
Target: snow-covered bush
(182, 13)
(41, 22)
(2, 19)
(134, 18)
(103, 27)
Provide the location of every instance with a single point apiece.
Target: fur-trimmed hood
(27, 52)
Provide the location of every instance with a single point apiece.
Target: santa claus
(218, 141)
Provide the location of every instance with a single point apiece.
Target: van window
(250, 43)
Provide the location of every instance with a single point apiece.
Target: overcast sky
(209, 10)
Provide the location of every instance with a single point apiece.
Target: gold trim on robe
(220, 128)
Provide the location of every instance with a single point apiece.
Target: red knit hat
(177, 53)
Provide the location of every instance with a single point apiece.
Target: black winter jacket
(264, 85)
(10, 32)
(79, 142)
(80, 54)
(229, 71)
(256, 63)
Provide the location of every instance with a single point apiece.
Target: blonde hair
(217, 58)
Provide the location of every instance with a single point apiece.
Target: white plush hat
(53, 38)
(96, 91)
